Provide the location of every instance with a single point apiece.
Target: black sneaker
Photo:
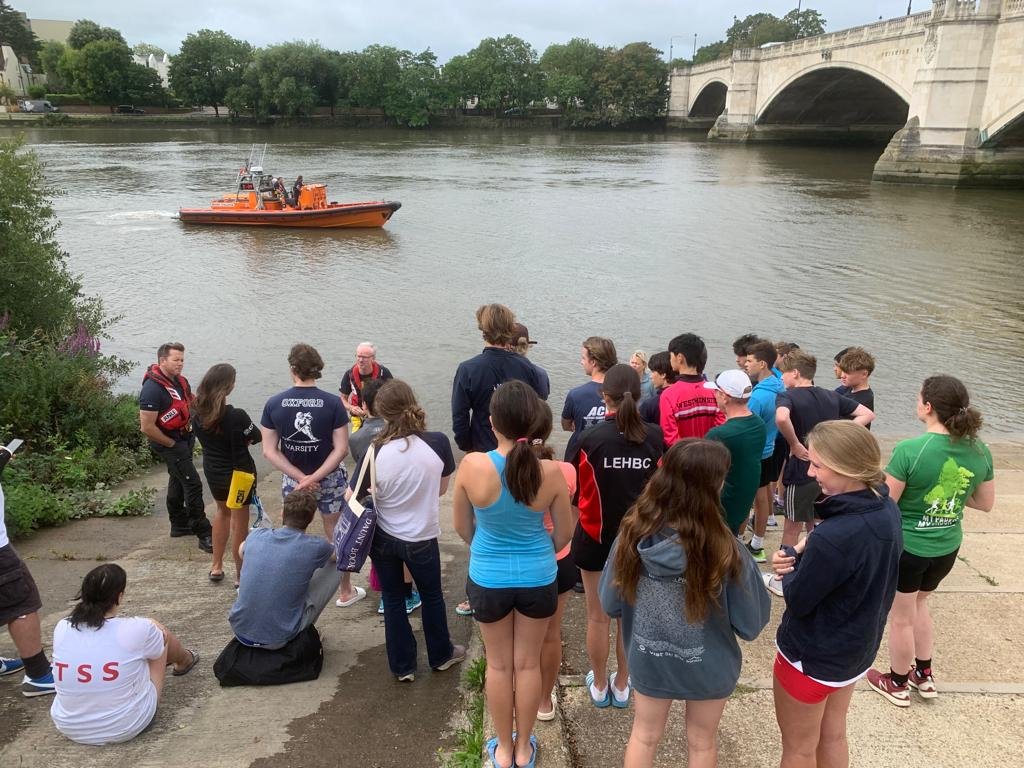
(206, 544)
(177, 533)
(578, 587)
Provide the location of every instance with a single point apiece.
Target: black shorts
(494, 604)
(18, 593)
(589, 555)
(771, 466)
(923, 574)
(566, 578)
(799, 501)
(220, 483)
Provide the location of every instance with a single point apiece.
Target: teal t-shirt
(941, 474)
(744, 436)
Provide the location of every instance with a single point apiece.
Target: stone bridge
(944, 88)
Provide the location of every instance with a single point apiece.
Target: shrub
(37, 91)
(66, 99)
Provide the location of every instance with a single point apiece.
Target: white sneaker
(771, 521)
(772, 584)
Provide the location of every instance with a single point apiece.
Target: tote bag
(353, 534)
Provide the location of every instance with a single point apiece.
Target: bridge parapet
(1013, 8)
(880, 30)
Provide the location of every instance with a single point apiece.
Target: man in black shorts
(800, 408)
(19, 612)
(164, 418)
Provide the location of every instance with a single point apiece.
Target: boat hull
(334, 216)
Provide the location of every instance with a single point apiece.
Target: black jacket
(839, 596)
(475, 382)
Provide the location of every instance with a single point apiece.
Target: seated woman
(109, 670)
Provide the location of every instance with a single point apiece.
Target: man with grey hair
(355, 378)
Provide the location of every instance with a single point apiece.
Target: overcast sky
(448, 27)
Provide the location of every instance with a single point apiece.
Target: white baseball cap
(733, 382)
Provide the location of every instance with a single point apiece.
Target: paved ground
(977, 720)
(355, 714)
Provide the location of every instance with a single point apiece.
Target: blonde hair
(850, 449)
(640, 354)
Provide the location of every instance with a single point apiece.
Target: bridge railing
(879, 30)
(1013, 8)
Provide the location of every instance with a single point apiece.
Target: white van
(36, 105)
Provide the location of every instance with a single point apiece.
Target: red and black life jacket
(176, 417)
(357, 382)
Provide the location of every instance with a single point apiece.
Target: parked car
(129, 109)
(36, 105)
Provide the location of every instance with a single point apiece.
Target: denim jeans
(185, 505)
(424, 561)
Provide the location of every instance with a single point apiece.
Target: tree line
(592, 85)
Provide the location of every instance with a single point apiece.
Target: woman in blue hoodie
(684, 588)
(838, 584)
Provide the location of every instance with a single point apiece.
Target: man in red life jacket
(365, 369)
(164, 418)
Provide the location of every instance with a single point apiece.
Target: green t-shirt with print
(744, 436)
(940, 475)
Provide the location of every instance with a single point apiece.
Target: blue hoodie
(762, 403)
(839, 595)
(670, 658)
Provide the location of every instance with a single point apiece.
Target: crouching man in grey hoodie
(684, 589)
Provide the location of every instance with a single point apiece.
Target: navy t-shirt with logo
(585, 407)
(305, 419)
(808, 407)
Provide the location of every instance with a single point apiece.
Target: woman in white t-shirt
(109, 670)
(413, 467)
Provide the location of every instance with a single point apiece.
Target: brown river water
(633, 236)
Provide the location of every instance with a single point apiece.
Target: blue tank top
(510, 546)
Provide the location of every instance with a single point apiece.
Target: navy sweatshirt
(839, 596)
(475, 382)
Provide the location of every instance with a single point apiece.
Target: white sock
(620, 695)
(597, 693)
(757, 542)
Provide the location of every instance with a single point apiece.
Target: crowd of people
(665, 470)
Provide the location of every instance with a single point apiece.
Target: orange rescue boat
(259, 200)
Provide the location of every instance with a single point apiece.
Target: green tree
(460, 82)
(298, 63)
(37, 292)
(634, 85)
(49, 59)
(572, 74)
(85, 31)
(210, 63)
(805, 23)
(144, 86)
(103, 72)
(507, 72)
(417, 93)
(712, 52)
(375, 72)
(7, 94)
(17, 34)
(147, 49)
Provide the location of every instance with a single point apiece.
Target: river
(635, 237)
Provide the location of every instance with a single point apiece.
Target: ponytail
(523, 472)
(101, 588)
(403, 417)
(950, 402)
(622, 386)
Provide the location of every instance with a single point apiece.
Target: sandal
(492, 748)
(358, 593)
(545, 717)
(195, 659)
(215, 577)
(533, 754)
(464, 608)
(599, 703)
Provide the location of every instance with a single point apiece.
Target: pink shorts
(798, 685)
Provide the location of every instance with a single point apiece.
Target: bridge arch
(710, 102)
(1007, 130)
(837, 94)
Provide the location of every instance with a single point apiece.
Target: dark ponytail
(622, 386)
(540, 431)
(514, 412)
(101, 588)
(950, 402)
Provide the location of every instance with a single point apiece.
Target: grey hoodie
(670, 658)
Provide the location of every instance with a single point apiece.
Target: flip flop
(492, 748)
(186, 670)
(533, 754)
(216, 576)
(360, 593)
(599, 703)
(616, 702)
(546, 717)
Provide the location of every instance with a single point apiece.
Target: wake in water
(142, 215)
